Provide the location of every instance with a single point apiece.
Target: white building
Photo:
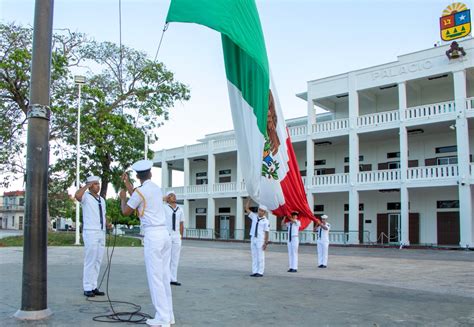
(390, 161)
(12, 208)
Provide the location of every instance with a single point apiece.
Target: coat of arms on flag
(455, 22)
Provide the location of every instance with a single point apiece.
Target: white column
(211, 167)
(462, 138)
(239, 219)
(404, 198)
(273, 220)
(309, 162)
(353, 162)
(310, 198)
(164, 170)
(211, 215)
(187, 176)
(186, 214)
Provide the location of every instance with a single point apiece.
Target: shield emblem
(455, 22)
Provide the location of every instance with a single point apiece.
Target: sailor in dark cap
(147, 199)
(93, 233)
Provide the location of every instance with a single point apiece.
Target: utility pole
(34, 279)
(79, 80)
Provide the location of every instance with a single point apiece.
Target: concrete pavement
(361, 287)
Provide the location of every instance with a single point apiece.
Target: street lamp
(79, 80)
(146, 144)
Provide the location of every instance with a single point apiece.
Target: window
(201, 210)
(346, 207)
(392, 155)
(447, 204)
(303, 173)
(318, 207)
(225, 176)
(224, 210)
(361, 158)
(324, 171)
(446, 161)
(393, 165)
(13, 221)
(393, 206)
(319, 162)
(20, 223)
(447, 149)
(22, 201)
(201, 178)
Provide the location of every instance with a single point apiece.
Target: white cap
(142, 165)
(91, 179)
(324, 217)
(262, 207)
(169, 193)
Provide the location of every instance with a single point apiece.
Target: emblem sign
(455, 22)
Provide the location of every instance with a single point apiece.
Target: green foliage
(126, 94)
(68, 239)
(114, 214)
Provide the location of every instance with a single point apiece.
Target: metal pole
(78, 163)
(34, 279)
(146, 144)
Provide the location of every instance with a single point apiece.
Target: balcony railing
(378, 176)
(329, 180)
(430, 110)
(196, 189)
(12, 207)
(225, 187)
(298, 130)
(432, 172)
(331, 126)
(197, 148)
(470, 103)
(378, 118)
(179, 190)
(225, 144)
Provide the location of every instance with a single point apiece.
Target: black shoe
(290, 270)
(294, 270)
(324, 266)
(175, 283)
(97, 292)
(89, 293)
(254, 275)
(258, 275)
(320, 266)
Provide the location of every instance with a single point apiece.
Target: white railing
(192, 189)
(470, 103)
(377, 176)
(197, 148)
(225, 187)
(199, 233)
(308, 237)
(179, 191)
(227, 143)
(333, 125)
(333, 179)
(430, 110)
(432, 172)
(378, 118)
(297, 130)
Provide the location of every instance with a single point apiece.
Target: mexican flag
(266, 155)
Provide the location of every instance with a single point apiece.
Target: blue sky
(305, 39)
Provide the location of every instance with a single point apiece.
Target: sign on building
(455, 22)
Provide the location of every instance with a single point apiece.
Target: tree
(126, 94)
(15, 62)
(114, 214)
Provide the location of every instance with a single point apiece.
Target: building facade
(389, 159)
(12, 210)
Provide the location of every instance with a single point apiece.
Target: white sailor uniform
(174, 217)
(260, 225)
(293, 243)
(323, 244)
(148, 200)
(93, 234)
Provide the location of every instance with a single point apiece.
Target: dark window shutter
(383, 166)
(430, 162)
(412, 163)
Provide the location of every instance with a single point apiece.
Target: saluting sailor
(323, 241)
(93, 233)
(293, 225)
(175, 223)
(147, 199)
(259, 233)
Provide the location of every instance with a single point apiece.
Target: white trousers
(323, 248)
(157, 249)
(258, 255)
(94, 247)
(175, 253)
(293, 252)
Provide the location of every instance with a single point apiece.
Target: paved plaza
(360, 287)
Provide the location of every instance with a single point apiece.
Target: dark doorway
(448, 228)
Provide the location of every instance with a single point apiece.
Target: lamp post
(146, 144)
(79, 80)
